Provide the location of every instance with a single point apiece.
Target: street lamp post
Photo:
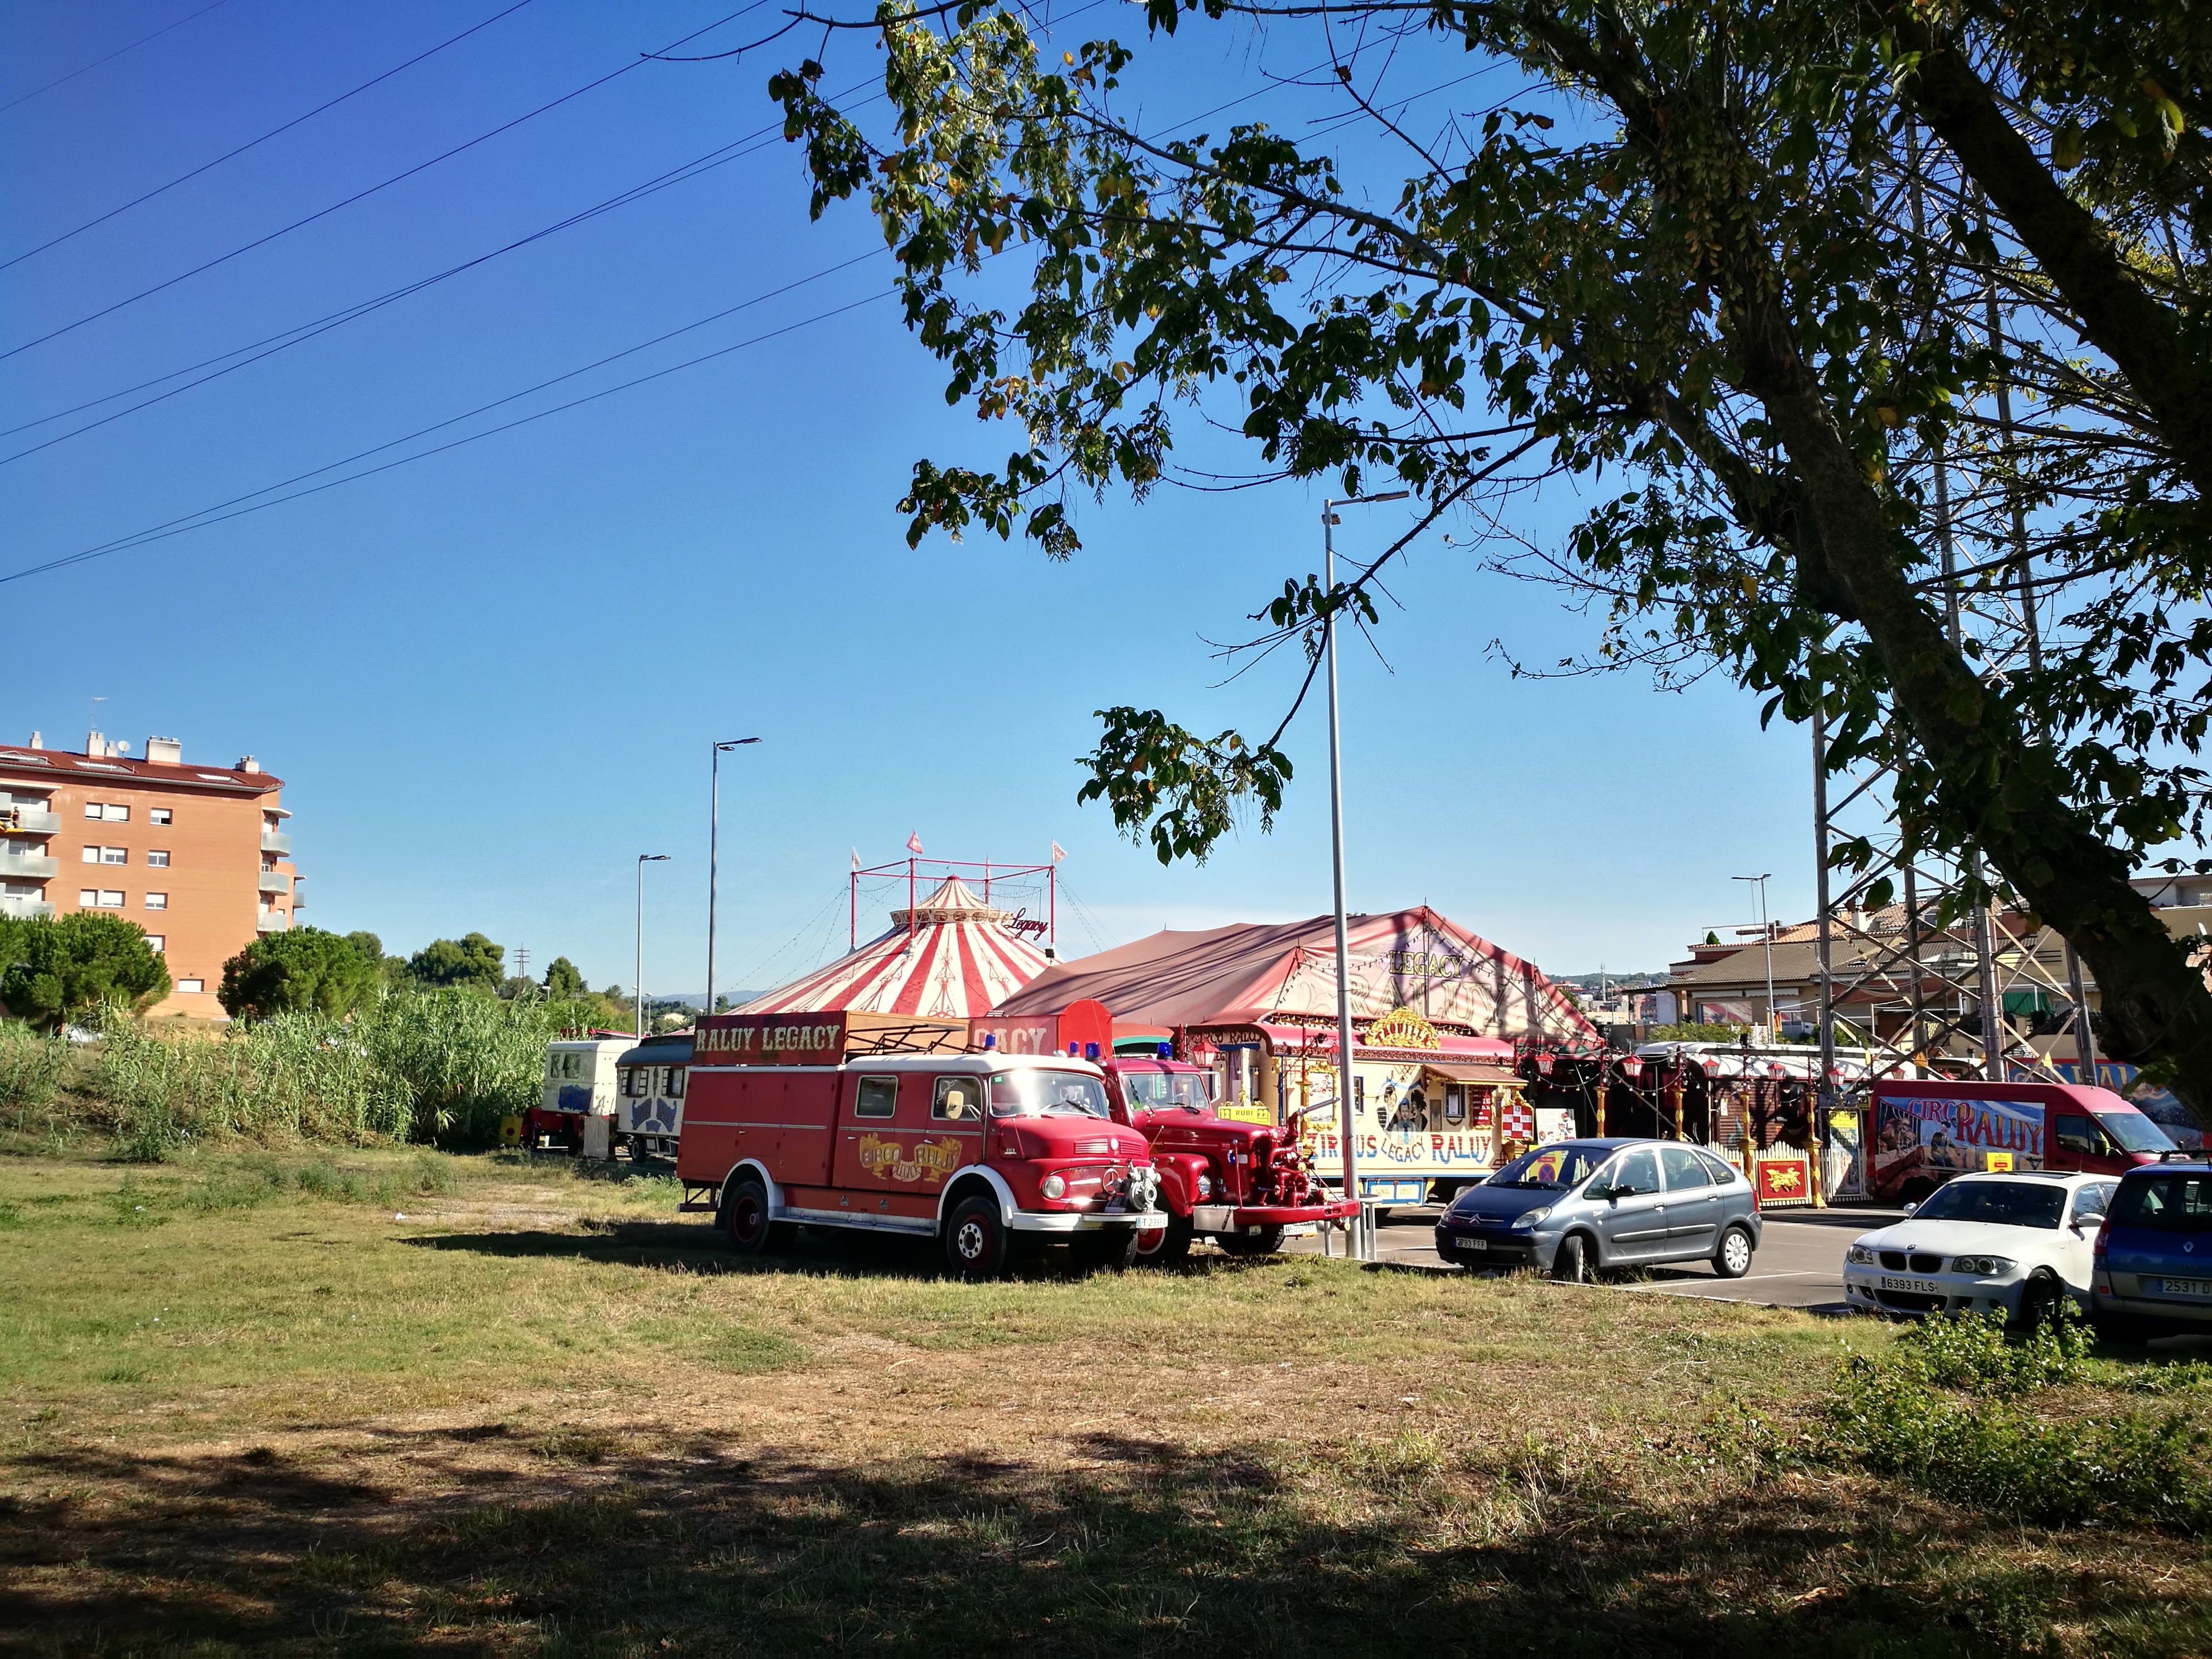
(714, 849)
(1767, 944)
(1363, 1239)
(637, 985)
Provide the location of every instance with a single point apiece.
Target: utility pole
(637, 985)
(1362, 1246)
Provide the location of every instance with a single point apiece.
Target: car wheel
(2039, 1302)
(1163, 1247)
(745, 1218)
(1731, 1260)
(1266, 1242)
(975, 1240)
(1570, 1262)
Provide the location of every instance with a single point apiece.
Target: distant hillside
(1589, 982)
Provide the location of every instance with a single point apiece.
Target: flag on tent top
(1058, 852)
(913, 841)
(856, 858)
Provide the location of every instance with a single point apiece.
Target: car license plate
(1917, 1286)
(2185, 1286)
(1471, 1243)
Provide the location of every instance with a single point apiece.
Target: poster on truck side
(1938, 1138)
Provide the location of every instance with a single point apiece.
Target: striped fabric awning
(952, 957)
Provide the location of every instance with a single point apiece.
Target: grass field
(272, 1403)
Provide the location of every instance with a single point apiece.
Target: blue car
(2153, 1264)
(1574, 1207)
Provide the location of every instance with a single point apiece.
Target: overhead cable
(142, 40)
(206, 166)
(363, 195)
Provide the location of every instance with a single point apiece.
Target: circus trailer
(1240, 1184)
(886, 1123)
(1445, 1022)
(579, 1084)
(1926, 1131)
(651, 1080)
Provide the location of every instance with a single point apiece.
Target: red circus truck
(1922, 1133)
(1239, 1184)
(882, 1123)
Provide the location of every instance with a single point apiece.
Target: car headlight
(1860, 1256)
(1054, 1186)
(1529, 1218)
(1983, 1265)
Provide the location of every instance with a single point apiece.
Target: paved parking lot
(1800, 1262)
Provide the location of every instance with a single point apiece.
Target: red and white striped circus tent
(952, 957)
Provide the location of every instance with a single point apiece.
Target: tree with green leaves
(472, 961)
(561, 979)
(70, 967)
(1849, 325)
(302, 969)
(370, 947)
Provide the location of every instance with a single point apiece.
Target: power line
(273, 132)
(363, 195)
(110, 59)
(216, 514)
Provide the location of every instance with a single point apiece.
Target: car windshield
(1047, 1094)
(2181, 1201)
(1550, 1167)
(2001, 1203)
(2134, 1132)
(1150, 1090)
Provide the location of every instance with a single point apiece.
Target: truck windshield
(2134, 1132)
(1158, 1090)
(2001, 1203)
(1047, 1094)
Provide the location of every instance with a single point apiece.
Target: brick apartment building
(196, 855)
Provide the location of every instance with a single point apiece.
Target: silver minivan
(1576, 1208)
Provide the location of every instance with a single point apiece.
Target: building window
(115, 855)
(155, 943)
(110, 899)
(191, 987)
(92, 855)
(88, 898)
(159, 815)
(100, 899)
(93, 810)
(115, 814)
(157, 901)
(158, 858)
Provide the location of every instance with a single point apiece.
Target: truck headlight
(1205, 1186)
(1528, 1219)
(1984, 1266)
(1054, 1186)
(1859, 1256)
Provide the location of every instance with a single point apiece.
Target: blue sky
(490, 678)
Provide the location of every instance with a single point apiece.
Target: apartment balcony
(271, 921)
(28, 821)
(27, 866)
(274, 881)
(271, 841)
(25, 910)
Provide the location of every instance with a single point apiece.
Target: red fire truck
(888, 1124)
(1239, 1184)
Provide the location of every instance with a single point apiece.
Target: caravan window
(675, 1090)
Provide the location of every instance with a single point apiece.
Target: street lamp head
(735, 743)
(653, 858)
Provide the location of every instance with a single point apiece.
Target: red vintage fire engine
(1239, 1184)
(888, 1124)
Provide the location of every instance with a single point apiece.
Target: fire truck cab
(888, 1124)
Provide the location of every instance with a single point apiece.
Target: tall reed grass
(438, 1066)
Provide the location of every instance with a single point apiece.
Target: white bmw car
(2004, 1243)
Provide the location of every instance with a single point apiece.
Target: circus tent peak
(951, 957)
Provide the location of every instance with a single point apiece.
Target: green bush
(32, 1069)
(72, 966)
(302, 970)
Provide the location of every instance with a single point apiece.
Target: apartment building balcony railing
(27, 866)
(271, 921)
(25, 909)
(274, 881)
(28, 821)
(272, 842)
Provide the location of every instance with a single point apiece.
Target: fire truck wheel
(745, 1217)
(975, 1240)
(1111, 1251)
(1163, 1247)
(1264, 1242)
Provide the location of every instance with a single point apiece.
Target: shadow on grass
(602, 1543)
(700, 1248)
